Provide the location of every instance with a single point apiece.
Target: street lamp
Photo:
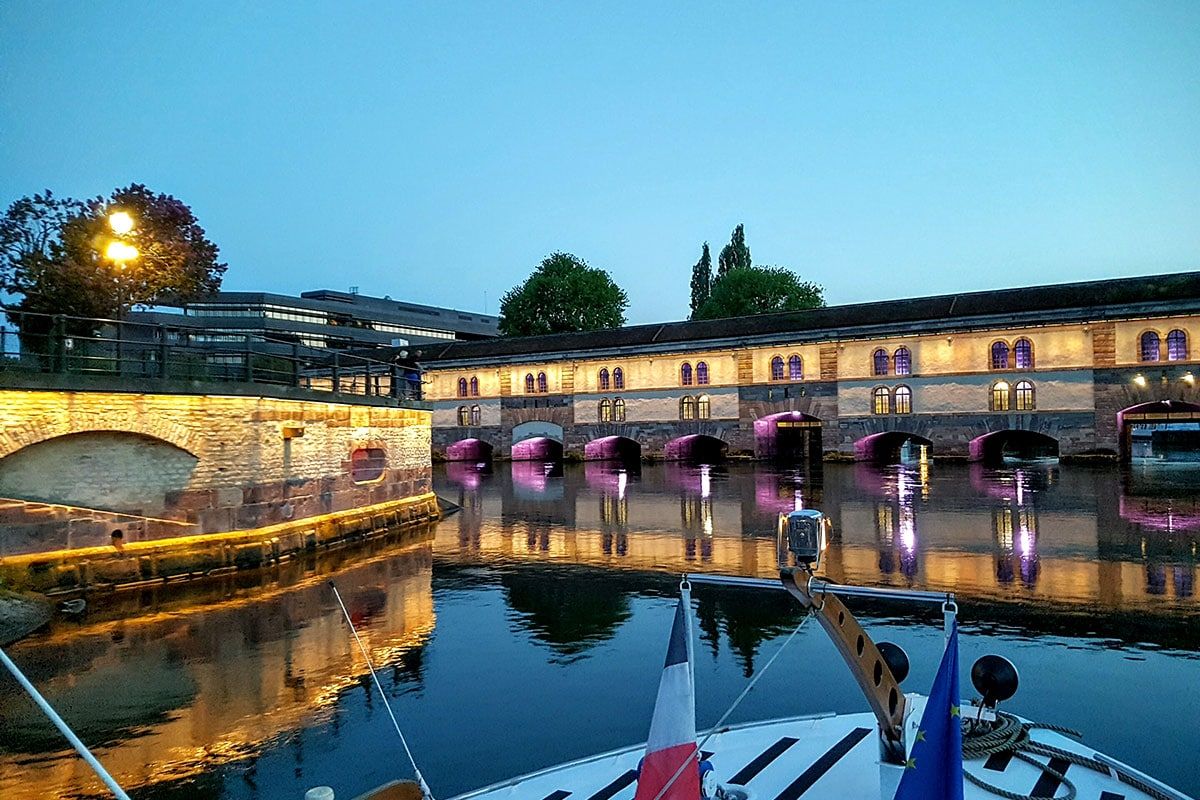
(120, 222)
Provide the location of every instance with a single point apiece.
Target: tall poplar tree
(735, 254)
(701, 280)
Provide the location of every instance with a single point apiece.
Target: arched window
(703, 407)
(1150, 344)
(687, 408)
(1024, 396)
(618, 410)
(881, 400)
(879, 362)
(618, 378)
(605, 410)
(777, 368)
(1023, 353)
(902, 400)
(795, 368)
(685, 374)
(1000, 355)
(464, 416)
(902, 361)
(603, 380)
(702, 373)
(474, 386)
(462, 387)
(529, 383)
(542, 385)
(475, 415)
(1177, 345)
(1000, 398)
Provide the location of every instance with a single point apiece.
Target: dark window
(903, 400)
(529, 383)
(1024, 396)
(603, 382)
(618, 378)
(999, 355)
(542, 385)
(1023, 354)
(880, 362)
(605, 410)
(777, 368)
(685, 374)
(474, 386)
(1000, 396)
(618, 410)
(462, 387)
(795, 368)
(464, 416)
(902, 361)
(702, 373)
(1150, 346)
(881, 400)
(687, 408)
(1177, 346)
(703, 407)
(367, 464)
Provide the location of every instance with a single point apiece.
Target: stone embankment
(21, 614)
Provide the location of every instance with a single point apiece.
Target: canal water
(529, 628)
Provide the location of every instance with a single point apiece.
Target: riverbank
(21, 614)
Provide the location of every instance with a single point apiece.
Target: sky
(436, 152)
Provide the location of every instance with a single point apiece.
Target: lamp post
(120, 253)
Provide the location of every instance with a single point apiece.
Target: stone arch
(887, 446)
(789, 435)
(996, 445)
(116, 420)
(1162, 414)
(470, 449)
(537, 448)
(695, 447)
(612, 448)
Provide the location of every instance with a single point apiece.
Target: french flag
(672, 742)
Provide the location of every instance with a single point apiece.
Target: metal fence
(62, 344)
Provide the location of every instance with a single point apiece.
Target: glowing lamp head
(120, 252)
(120, 222)
(1189, 379)
(1139, 381)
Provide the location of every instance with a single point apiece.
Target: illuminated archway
(788, 436)
(892, 447)
(1163, 430)
(469, 450)
(612, 448)
(695, 447)
(1012, 444)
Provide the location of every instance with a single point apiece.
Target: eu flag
(934, 770)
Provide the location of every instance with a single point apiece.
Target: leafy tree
(759, 290)
(701, 280)
(734, 255)
(563, 294)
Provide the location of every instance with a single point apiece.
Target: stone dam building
(1104, 368)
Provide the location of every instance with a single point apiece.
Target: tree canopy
(701, 280)
(759, 290)
(734, 255)
(563, 295)
(53, 253)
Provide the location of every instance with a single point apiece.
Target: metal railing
(68, 345)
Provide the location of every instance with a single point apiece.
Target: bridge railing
(69, 345)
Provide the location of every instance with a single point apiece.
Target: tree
(563, 294)
(759, 290)
(701, 280)
(734, 255)
(52, 254)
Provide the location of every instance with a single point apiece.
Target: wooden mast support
(863, 658)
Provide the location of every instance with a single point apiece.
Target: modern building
(1097, 368)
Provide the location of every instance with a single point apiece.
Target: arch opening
(1013, 445)
(789, 436)
(612, 448)
(538, 448)
(696, 447)
(1164, 430)
(893, 447)
(470, 450)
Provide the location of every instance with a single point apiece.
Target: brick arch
(46, 427)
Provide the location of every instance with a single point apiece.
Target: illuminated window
(795, 368)
(777, 368)
(881, 400)
(685, 374)
(529, 383)
(618, 410)
(603, 381)
(367, 464)
(903, 400)
(1000, 396)
(1024, 396)
(605, 410)
(542, 386)
(462, 387)
(880, 362)
(902, 360)
(687, 408)
(1150, 346)
(703, 407)
(1177, 346)
(1000, 355)
(474, 386)
(702, 373)
(464, 416)
(1023, 353)
(618, 378)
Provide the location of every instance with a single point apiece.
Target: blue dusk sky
(436, 152)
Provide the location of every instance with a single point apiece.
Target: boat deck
(816, 758)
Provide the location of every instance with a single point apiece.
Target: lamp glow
(1189, 379)
(120, 222)
(1140, 380)
(120, 252)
